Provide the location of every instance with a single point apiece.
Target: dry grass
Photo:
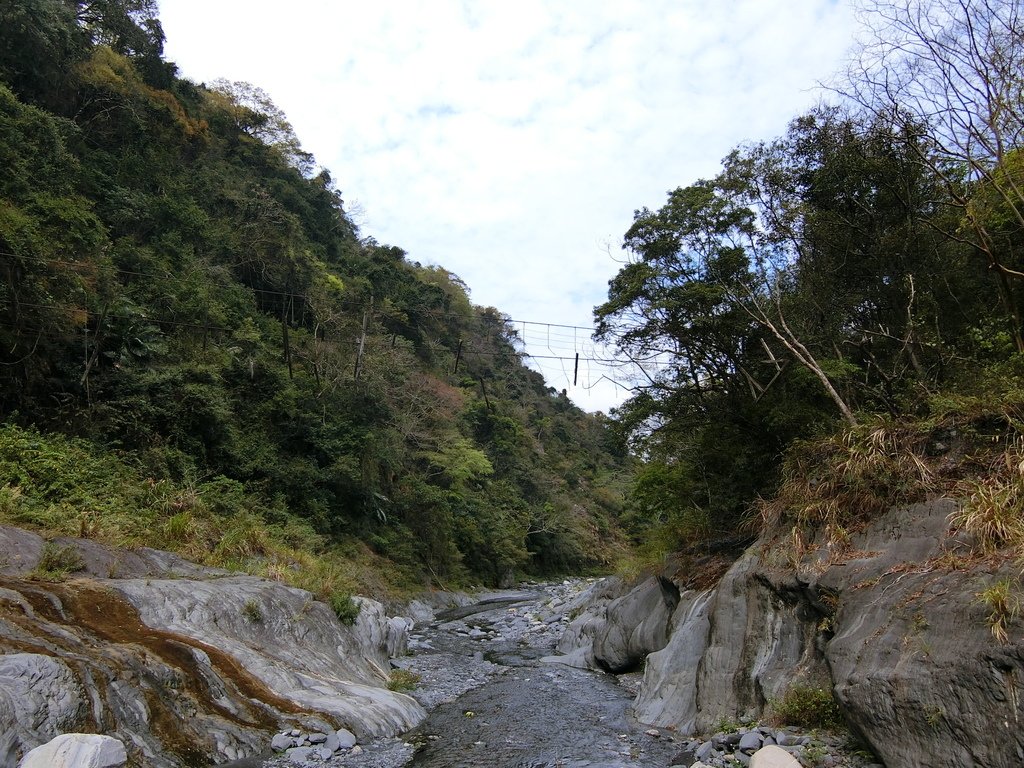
(835, 483)
(992, 510)
(1003, 603)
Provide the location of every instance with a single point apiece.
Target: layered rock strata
(180, 663)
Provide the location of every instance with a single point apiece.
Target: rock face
(619, 626)
(203, 667)
(669, 693)
(892, 622)
(297, 648)
(39, 698)
(636, 624)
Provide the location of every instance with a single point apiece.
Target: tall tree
(948, 74)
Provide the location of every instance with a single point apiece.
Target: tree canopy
(181, 286)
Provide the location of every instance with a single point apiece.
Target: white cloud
(511, 142)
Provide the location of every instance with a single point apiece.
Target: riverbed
(494, 702)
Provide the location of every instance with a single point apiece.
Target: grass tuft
(344, 607)
(838, 481)
(252, 612)
(56, 563)
(1003, 603)
(992, 511)
(403, 680)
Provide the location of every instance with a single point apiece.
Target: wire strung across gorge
(564, 343)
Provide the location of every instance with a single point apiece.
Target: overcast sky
(510, 142)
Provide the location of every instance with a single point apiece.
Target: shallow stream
(523, 712)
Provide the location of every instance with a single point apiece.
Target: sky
(511, 142)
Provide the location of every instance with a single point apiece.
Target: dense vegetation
(199, 350)
(193, 331)
(861, 273)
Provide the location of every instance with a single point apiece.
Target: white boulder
(773, 757)
(77, 750)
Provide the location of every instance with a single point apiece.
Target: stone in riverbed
(77, 750)
(750, 742)
(703, 751)
(317, 738)
(332, 743)
(686, 755)
(346, 739)
(281, 742)
(773, 757)
(299, 755)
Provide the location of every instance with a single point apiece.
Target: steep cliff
(892, 620)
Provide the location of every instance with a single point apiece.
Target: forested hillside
(836, 316)
(198, 349)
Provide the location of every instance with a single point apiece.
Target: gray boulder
(346, 739)
(618, 625)
(750, 742)
(576, 645)
(299, 755)
(282, 741)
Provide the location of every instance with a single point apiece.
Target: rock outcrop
(891, 620)
(182, 663)
(619, 626)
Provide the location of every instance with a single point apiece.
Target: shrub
(808, 706)
(403, 680)
(850, 477)
(252, 612)
(993, 509)
(344, 607)
(56, 562)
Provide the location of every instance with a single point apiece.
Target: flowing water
(494, 703)
(526, 712)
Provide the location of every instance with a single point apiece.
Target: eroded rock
(204, 666)
(39, 699)
(891, 621)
